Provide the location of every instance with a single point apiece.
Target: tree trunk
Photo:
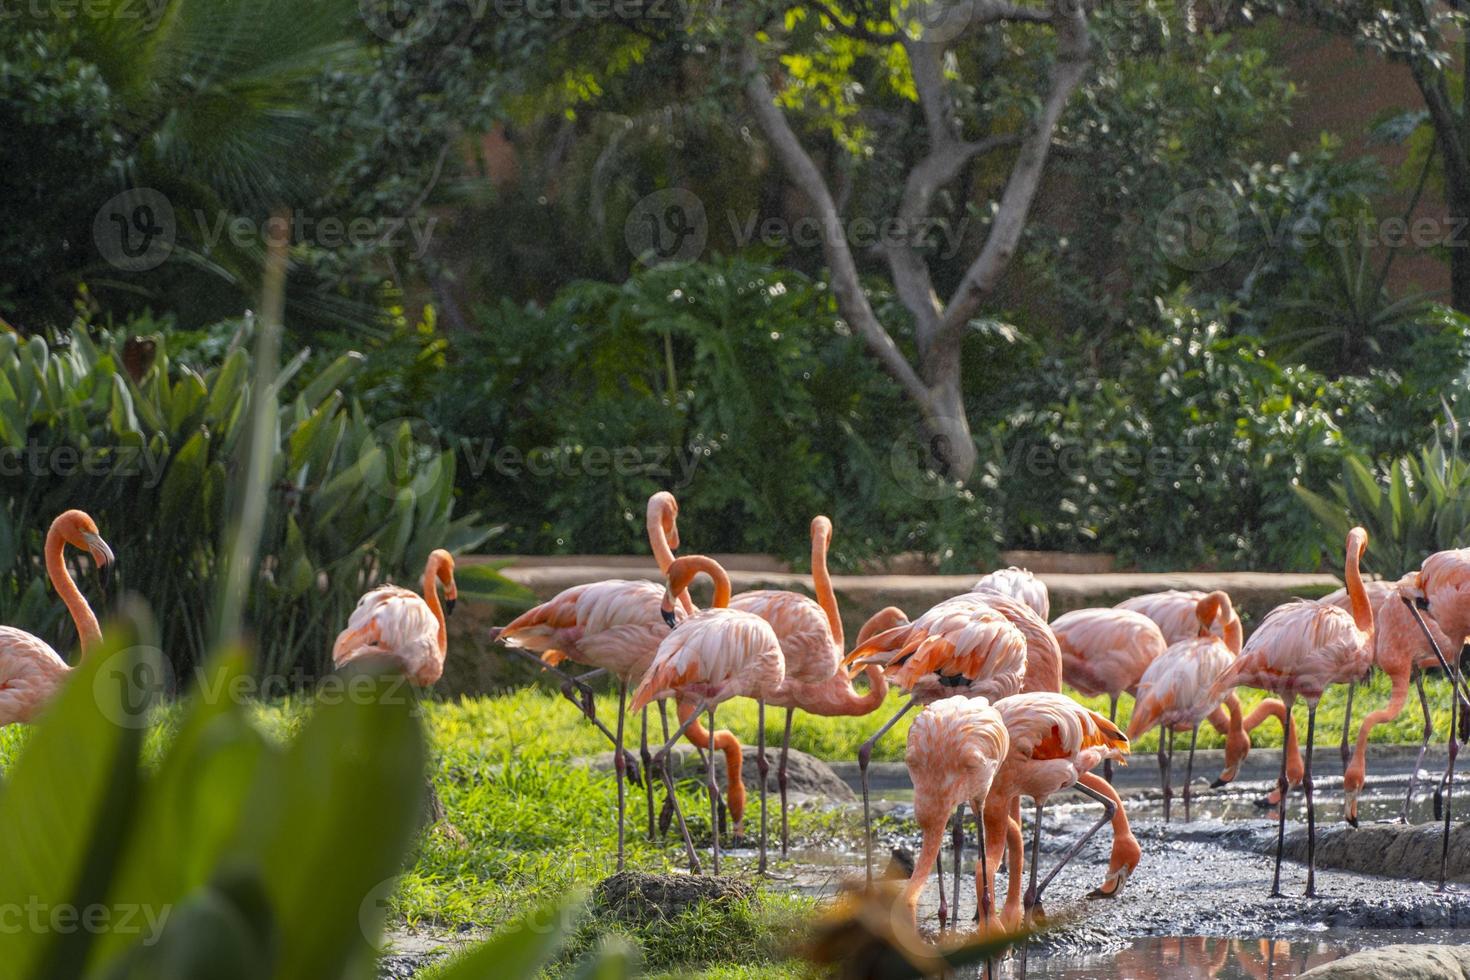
(951, 445)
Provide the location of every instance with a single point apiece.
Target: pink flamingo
(1442, 587)
(1106, 651)
(1174, 612)
(1401, 650)
(962, 646)
(1300, 649)
(1044, 673)
(812, 645)
(1054, 741)
(1174, 695)
(31, 672)
(397, 623)
(616, 626)
(712, 656)
(1018, 583)
(955, 746)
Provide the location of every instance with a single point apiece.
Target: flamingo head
(821, 528)
(663, 511)
(1237, 747)
(80, 531)
(443, 565)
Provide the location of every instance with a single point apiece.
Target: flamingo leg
(1189, 771)
(583, 699)
(661, 759)
(781, 781)
(1109, 809)
(620, 768)
(1113, 717)
(1164, 769)
(714, 797)
(646, 757)
(666, 812)
(1282, 789)
(957, 840)
(939, 871)
(762, 767)
(1311, 891)
(982, 879)
(1456, 713)
(1423, 746)
(1029, 900)
(865, 755)
(1347, 720)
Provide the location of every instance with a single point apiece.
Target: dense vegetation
(1179, 341)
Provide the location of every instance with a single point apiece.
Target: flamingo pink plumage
(399, 624)
(31, 672)
(712, 656)
(955, 746)
(1018, 583)
(960, 646)
(1174, 695)
(1300, 650)
(1106, 651)
(1054, 741)
(616, 626)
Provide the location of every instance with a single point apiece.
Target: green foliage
(732, 383)
(350, 504)
(1410, 506)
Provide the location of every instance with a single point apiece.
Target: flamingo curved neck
(687, 568)
(1362, 608)
(88, 631)
(822, 583)
(431, 596)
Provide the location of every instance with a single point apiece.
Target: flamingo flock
(984, 670)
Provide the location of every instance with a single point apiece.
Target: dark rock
(636, 897)
(1406, 962)
(1391, 850)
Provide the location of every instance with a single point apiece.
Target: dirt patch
(1391, 850)
(1401, 962)
(638, 898)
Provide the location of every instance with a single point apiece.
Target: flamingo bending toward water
(31, 672)
(1401, 650)
(1300, 649)
(1044, 673)
(1106, 651)
(1054, 741)
(1018, 583)
(955, 747)
(710, 657)
(962, 646)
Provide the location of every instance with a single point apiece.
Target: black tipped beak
(1353, 822)
(668, 615)
(1222, 781)
(449, 606)
(1422, 602)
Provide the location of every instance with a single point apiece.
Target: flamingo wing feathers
(714, 655)
(801, 625)
(30, 674)
(1106, 650)
(393, 622)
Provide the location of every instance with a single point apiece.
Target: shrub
(151, 457)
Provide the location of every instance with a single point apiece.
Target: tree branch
(1073, 44)
(846, 284)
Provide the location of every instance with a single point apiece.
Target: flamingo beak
(101, 554)
(668, 615)
(1221, 781)
(449, 606)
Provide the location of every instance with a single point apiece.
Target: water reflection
(1196, 958)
